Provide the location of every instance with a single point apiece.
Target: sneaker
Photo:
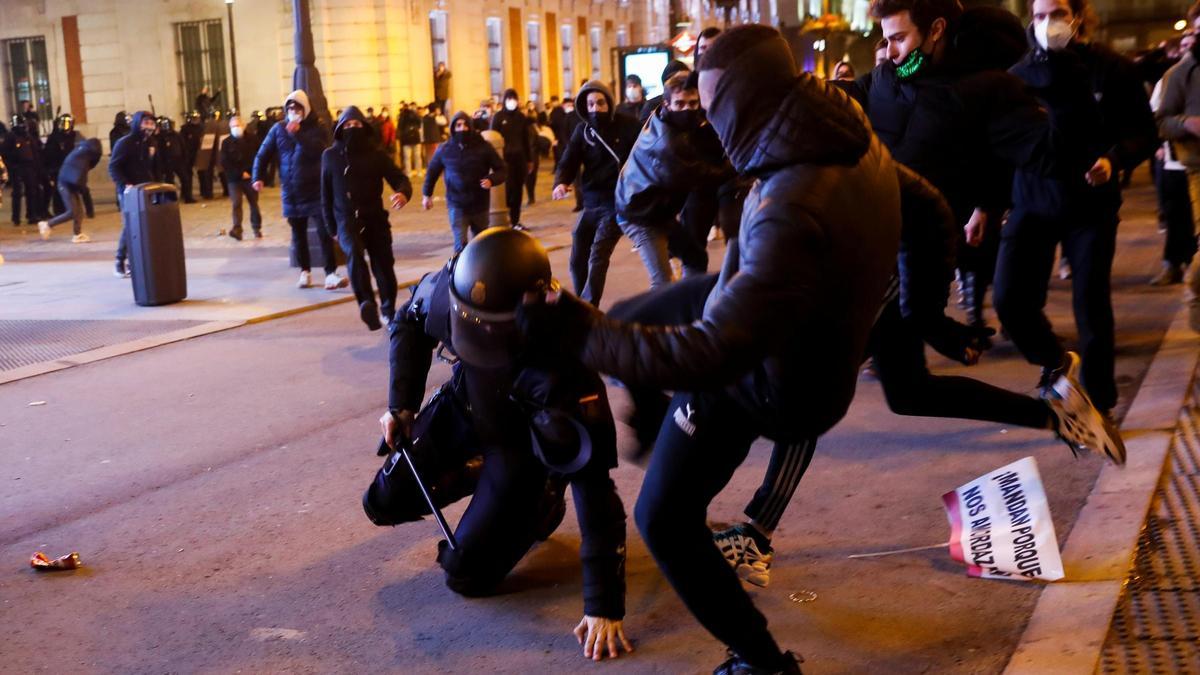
(1077, 421)
(236, 233)
(520, 228)
(119, 270)
(80, 238)
(305, 280)
(741, 551)
(334, 281)
(369, 313)
(44, 229)
(736, 665)
(258, 234)
(1169, 276)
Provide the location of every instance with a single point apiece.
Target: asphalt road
(212, 489)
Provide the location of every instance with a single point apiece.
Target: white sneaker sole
(1102, 437)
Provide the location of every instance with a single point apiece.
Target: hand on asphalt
(596, 633)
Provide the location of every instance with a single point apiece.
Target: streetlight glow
(1179, 25)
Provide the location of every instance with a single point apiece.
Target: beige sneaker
(80, 238)
(44, 229)
(305, 280)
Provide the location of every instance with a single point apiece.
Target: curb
(207, 328)
(1071, 620)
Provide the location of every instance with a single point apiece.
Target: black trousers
(1175, 205)
(1022, 277)
(237, 190)
(26, 186)
(300, 245)
(72, 198)
(183, 175)
(531, 181)
(514, 185)
(596, 235)
(206, 182)
(699, 215)
(373, 241)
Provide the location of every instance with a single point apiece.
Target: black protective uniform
(593, 157)
(23, 155)
(191, 134)
(519, 149)
(172, 159)
(353, 171)
(501, 522)
(59, 144)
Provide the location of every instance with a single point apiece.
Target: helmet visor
(483, 339)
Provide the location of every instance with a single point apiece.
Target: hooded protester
(120, 129)
(597, 149)
(297, 143)
(72, 184)
(519, 146)
(676, 153)
(237, 161)
(473, 168)
(132, 163)
(1079, 204)
(23, 154)
(777, 349)
(353, 172)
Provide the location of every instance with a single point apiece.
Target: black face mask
(685, 120)
(599, 119)
(356, 138)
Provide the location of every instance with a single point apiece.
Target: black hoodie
(786, 326)
(600, 150)
(352, 180)
(517, 130)
(132, 158)
(82, 159)
(467, 159)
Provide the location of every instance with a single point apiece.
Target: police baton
(402, 449)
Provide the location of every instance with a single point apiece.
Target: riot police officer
(59, 144)
(192, 132)
(172, 158)
(23, 154)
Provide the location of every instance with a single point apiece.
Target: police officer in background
(469, 307)
(59, 144)
(172, 159)
(23, 154)
(191, 134)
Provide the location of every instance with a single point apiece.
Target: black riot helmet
(64, 122)
(193, 116)
(488, 281)
(19, 127)
(165, 124)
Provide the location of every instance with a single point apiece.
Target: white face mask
(510, 104)
(633, 93)
(294, 116)
(236, 132)
(1053, 34)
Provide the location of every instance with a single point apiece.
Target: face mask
(356, 137)
(148, 132)
(685, 120)
(510, 104)
(236, 132)
(914, 63)
(569, 109)
(1053, 34)
(633, 93)
(294, 116)
(598, 119)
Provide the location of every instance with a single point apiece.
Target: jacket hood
(987, 38)
(93, 144)
(135, 126)
(470, 134)
(351, 113)
(768, 116)
(299, 97)
(581, 99)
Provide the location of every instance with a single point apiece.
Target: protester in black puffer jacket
(353, 171)
(677, 153)
(597, 149)
(777, 350)
(473, 168)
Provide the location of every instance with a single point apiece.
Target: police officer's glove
(955, 340)
(555, 325)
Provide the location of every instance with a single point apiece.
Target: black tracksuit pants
(596, 235)
(514, 186)
(1175, 205)
(373, 241)
(1022, 277)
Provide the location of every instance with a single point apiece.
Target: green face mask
(913, 64)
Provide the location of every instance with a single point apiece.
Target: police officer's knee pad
(461, 581)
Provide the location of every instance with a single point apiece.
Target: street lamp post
(306, 76)
(237, 102)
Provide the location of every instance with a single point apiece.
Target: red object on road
(41, 563)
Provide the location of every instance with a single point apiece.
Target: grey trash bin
(497, 210)
(156, 260)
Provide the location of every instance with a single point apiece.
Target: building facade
(95, 58)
